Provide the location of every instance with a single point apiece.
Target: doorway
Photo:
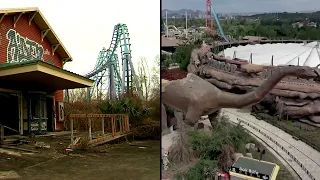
(9, 110)
(50, 114)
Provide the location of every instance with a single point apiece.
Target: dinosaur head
(306, 72)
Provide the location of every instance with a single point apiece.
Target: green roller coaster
(112, 78)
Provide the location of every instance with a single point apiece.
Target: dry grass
(181, 151)
(147, 129)
(225, 158)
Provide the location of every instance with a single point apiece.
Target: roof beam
(16, 18)
(54, 48)
(2, 16)
(44, 33)
(65, 60)
(31, 17)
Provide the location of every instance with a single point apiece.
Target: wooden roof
(37, 17)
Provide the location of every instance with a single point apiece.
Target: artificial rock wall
(292, 97)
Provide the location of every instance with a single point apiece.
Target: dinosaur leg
(164, 123)
(179, 119)
(192, 116)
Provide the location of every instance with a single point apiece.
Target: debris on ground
(9, 152)
(41, 145)
(77, 155)
(74, 143)
(9, 175)
(19, 149)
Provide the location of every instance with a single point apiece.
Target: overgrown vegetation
(215, 152)
(181, 56)
(144, 112)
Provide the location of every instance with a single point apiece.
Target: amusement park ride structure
(112, 77)
(213, 23)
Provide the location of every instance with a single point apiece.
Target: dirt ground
(173, 74)
(110, 161)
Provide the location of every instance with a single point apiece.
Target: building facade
(32, 78)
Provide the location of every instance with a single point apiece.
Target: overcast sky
(234, 6)
(85, 27)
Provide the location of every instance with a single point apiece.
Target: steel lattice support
(209, 18)
(112, 78)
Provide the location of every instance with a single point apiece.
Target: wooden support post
(120, 125)
(71, 128)
(90, 135)
(102, 124)
(1, 134)
(125, 124)
(128, 123)
(113, 125)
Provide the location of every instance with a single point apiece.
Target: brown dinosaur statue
(195, 96)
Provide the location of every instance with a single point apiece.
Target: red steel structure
(209, 18)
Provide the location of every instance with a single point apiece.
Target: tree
(144, 77)
(149, 78)
(74, 95)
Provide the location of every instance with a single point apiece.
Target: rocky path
(302, 158)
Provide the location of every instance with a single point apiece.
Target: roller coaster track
(218, 24)
(112, 78)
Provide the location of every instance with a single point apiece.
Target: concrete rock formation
(294, 96)
(196, 97)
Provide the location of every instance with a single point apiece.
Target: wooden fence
(119, 124)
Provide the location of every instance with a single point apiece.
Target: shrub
(224, 133)
(182, 55)
(204, 169)
(144, 117)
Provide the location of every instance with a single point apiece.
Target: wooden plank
(71, 127)
(120, 125)
(108, 139)
(90, 128)
(20, 149)
(128, 125)
(112, 126)
(94, 115)
(102, 124)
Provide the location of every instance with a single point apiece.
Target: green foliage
(182, 55)
(225, 139)
(204, 169)
(272, 25)
(124, 105)
(144, 117)
(272, 28)
(210, 147)
(165, 61)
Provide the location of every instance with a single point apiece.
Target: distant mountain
(197, 13)
(182, 13)
(201, 14)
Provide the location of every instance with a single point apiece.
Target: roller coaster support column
(126, 74)
(112, 93)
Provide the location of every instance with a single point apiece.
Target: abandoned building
(32, 78)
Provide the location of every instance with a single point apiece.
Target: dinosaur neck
(229, 100)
